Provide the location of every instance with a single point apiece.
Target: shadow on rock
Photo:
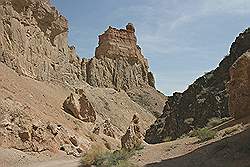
(233, 151)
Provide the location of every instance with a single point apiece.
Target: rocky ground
(221, 151)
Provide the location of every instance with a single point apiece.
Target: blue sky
(181, 39)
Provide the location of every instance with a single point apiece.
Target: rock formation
(118, 61)
(46, 70)
(239, 87)
(33, 41)
(80, 108)
(133, 137)
(120, 64)
(207, 97)
(32, 118)
(106, 128)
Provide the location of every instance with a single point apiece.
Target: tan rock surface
(133, 137)
(120, 64)
(118, 61)
(106, 128)
(36, 108)
(239, 87)
(80, 108)
(33, 41)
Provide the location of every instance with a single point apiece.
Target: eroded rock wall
(33, 41)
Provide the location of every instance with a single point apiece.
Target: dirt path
(224, 150)
(16, 158)
(158, 152)
(57, 163)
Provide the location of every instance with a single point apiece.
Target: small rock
(79, 150)
(53, 128)
(70, 150)
(74, 141)
(24, 135)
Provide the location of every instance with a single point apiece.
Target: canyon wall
(206, 98)
(33, 41)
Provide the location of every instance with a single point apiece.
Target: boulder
(70, 150)
(239, 87)
(53, 128)
(24, 135)
(80, 108)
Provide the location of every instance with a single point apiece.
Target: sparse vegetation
(118, 158)
(90, 157)
(167, 139)
(203, 134)
(216, 121)
(189, 121)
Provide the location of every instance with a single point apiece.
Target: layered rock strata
(33, 42)
(120, 64)
(118, 61)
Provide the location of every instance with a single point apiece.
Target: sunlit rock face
(33, 41)
(239, 87)
(120, 64)
(207, 97)
(118, 61)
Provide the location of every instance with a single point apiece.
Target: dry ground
(230, 148)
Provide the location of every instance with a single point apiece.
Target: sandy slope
(40, 103)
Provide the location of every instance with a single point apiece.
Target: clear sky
(182, 39)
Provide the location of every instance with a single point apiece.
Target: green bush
(203, 134)
(90, 157)
(118, 158)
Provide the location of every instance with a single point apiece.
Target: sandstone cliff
(118, 61)
(207, 97)
(34, 43)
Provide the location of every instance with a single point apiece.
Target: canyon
(54, 104)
